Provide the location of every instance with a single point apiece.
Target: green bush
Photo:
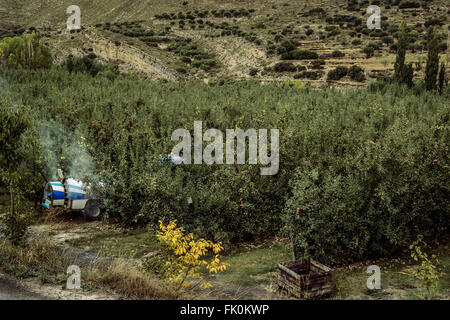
(253, 72)
(87, 64)
(337, 54)
(205, 64)
(318, 64)
(16, 223)
(312, 75)
(337, 73)
(369, 51)
(286, 45)
(387, 40)
(356, 73)
(284, 66)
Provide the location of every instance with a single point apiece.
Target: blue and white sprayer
(70, 194)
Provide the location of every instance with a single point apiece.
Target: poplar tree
(24, 51)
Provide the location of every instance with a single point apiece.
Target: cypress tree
(432, 68)
(441, 78)
(402, 44)
(403, 73)
(408, 75)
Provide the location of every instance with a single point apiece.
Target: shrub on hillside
(369, 51)
(312, 75)
(356, 73)
(253, 72)
(318, 64)
(87, 64)
(337, 73)
(205, 64)
(284, 66)
(337, 54)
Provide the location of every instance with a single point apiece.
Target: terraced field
(233, 39)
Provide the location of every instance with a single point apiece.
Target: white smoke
(65, 150)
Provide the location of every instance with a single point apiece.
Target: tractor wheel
(92, 210)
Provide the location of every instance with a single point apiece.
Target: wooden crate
(305, 279)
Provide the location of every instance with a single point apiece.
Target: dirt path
(58, 292)
(9, 290)
(33, 289)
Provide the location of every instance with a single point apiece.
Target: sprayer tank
(69, 194)
(76, 195)
(54, 194)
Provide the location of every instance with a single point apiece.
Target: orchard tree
(18, 158)
(14, 125)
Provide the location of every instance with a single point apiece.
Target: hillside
(238, 39)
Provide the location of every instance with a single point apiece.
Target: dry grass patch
(40, 258)
(126, 278)
(38, 255)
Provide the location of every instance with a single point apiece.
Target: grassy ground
(124, 243)
(396, 282)
(251, 267)
(256, 266)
